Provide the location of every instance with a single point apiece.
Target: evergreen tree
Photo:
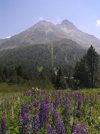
(87, 69)
(60, 81)
(81, 74)
(92, 61)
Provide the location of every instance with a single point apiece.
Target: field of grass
(21, 110)
(8, 90)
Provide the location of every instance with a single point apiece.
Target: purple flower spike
(76, 129)
(60, 126)
(36, 123)
(55, 116)
(3, 125)
(44, 113)
(50, 131)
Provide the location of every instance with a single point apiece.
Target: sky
(19, 15)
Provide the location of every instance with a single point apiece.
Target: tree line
(86, 74)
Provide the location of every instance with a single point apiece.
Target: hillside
(58, 53)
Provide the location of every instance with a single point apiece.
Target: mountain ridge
(45, 32)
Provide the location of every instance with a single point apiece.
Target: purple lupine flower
(50, 131)
(46, 100)
(60, 126)
(38, 92)
(76, 129)
(51, 108)
(61, 99)
(83, 129)
(26, 122)
(31, 106)
(53, 132)
(55, 115)
(36, 103)
(36, 123)
(67, 111)
(24, 108)
(80, 100)
(68, 102)
(44, 113)
(3, 125)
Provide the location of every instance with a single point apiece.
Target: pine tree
(87, 69)
(92, 61)
(60, 81)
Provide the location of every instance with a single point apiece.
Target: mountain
(77, 35)
(42, 32)
(45, 32)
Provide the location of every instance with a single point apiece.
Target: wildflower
(44, 113)
(26, 122)
(76, 129)
(24, 108)
(60, 126)
(55, 115)
(3, 125)
(50, 131)
(36, 123)
(83, 129)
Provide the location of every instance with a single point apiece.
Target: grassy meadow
(22, 107)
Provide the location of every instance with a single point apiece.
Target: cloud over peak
(41, 18)
(98, 23)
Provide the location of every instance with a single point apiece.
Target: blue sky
(18, 15)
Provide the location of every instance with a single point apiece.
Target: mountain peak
(44, 22)
(68, 24)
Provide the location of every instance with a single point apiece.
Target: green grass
(9, 90)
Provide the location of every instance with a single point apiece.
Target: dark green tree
(87, 69)
(60, 80)
(81, 74)
(92, 61)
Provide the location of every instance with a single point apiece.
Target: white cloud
(8, 37)
(98, 23)
(57, 19)
(41, 18)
